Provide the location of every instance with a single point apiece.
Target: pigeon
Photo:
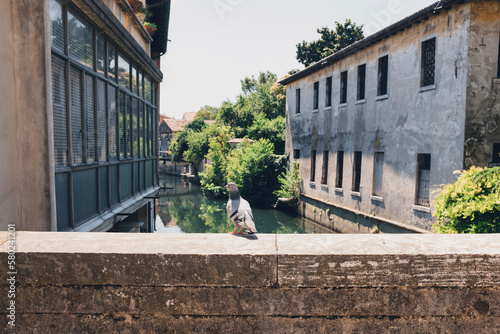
(239, 211)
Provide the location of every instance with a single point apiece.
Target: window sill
(328, 108)
(298, 114)
(315, 111)
(427, 88)
(493, 164)
(382, 97)
(496, 81)
(377, 199)
(324, 187)
(421, 208)
(356, 194)
(312, 184)
(342, 105)
(339, 191)
(361, 101)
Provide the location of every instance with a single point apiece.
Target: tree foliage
(330, 42)
(471, 204)
(290, 183)
(206, 113)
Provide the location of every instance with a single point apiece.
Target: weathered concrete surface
(91, 282)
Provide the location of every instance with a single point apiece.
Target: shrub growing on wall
(471, 204)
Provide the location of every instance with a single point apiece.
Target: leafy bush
(471, 204)
(290, 183)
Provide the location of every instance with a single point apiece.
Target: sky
(217, 43)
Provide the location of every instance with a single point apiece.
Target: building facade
(81, 100)
(378, 126)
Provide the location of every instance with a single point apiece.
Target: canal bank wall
(216, 283)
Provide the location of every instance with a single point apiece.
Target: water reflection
(184, 209)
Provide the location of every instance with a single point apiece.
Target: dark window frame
(297, 101)
(339, 177)
(361, 86)
(343, 87)
(422, 188)
(356, 171)
(328, 92)
(313, 166)
(383, 76)
(324, 168)
(296, 154)
(316, 96)
(428, 63)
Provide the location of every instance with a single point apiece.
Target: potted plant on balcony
(135, 4)
(144, 13)
(150, 27)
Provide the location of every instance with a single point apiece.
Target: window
(80, 41)
(340, 169)
(297, 101)
(356, 172)
(496, 153)
(428, 62)
(324, 169)
(343, 87)
(378, 172)
(423, 179)
(59, 112)
(328, 92)
(383, 67)
(296, 154)
(90, 118)
(361, 82)
(313, 165)
(316, 96)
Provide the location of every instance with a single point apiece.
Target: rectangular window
(80, 41)
(90, 118)
(296, 154)
(340, 169)
(316, 96)
(378, 172)
(111, 62)
(113, 123)
(324, 169)
(328, 92)
(101, 55)
(428, 62)
(361, 82)
(297, 101)
(123, 141)
(343, 87)
(56, 26)
(135, 127)
(383, 69)
(76, 116)
(496, 153)
(102, 126)
(147, 89)
(356, 172)
(423, 179)
(123, 72)
(59, 112)
(313, 165)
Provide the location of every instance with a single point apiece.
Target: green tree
(330, 42)
(206, 113)
(471, 204)
(271, 129)
(290, 183)
(180, 143)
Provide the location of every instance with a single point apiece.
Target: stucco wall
(25, 193)
(407, 123)
(482, 127)
(108, 283)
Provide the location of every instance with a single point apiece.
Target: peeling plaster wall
(482, 128)
(408, 123)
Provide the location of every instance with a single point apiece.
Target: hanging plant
(150, 27)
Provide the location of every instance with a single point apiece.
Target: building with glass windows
(381, 124)
(79, 108)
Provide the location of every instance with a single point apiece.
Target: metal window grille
(356, 173)
(313, 165)
(423, 179)
(102, 126)
(76, 116)
(123, 126)
(340, 169)
(80, 41)
(113, 124)
(324, 169)
(297, 101)
(428, 62)
(59, 112)
(56, 26)
(328, 92)
(343, 87)
(101, 55)
(135, 127)
(90, 118)
(383, 69)
(361, 82)
(316, 96)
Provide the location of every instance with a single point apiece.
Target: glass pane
(135, 126)
(134, 79)
(141, 88)
(141, 128)
(76, 116)
(147, 89)
(111, 62)
(90, 121)
(122, 125)
(102, 126)
(56, 26)
(80, 42)
(113, 124)
(123, 72)
(100, 62)
(84, 194)
(129, 142)
(59, 112)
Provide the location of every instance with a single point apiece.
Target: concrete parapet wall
(213, 283)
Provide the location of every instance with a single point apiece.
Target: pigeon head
(233, 188)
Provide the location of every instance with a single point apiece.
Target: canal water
(184, 209)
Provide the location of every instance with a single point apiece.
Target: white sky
(216, 43)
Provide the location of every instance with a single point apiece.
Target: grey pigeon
(239, 211)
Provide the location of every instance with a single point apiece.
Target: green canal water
(184, 209)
